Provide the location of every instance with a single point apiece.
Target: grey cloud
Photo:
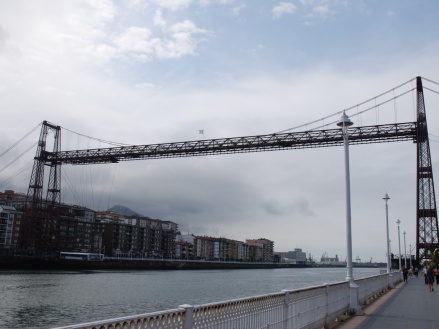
(295, 207)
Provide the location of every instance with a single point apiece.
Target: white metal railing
(312, 307)
(372, 286)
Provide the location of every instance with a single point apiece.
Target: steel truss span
(272, 142)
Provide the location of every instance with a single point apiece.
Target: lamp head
(344, 121)
(398, 221)
(386, 197)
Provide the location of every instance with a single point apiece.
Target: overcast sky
(144, 72)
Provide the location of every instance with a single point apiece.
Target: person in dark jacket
(404, 273)
(424, 271)
(430, 277)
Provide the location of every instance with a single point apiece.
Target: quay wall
(31, 263)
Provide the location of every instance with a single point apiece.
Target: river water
(47, 299)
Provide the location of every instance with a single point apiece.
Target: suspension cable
(20, 140)
(437, 92)
(358, 113)
(25, 167)
(97, 139)
(349, 108)
(436, 83)
(18, 157)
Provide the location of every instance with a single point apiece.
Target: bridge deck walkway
(409, 305)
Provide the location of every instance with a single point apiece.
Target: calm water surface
(47, 299)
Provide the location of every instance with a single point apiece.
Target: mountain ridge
(124, 211)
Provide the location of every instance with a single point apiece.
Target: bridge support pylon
(39, 229)
(426, 216)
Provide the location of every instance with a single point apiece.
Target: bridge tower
(427, 238)
(39, 227)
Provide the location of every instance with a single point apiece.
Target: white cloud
(236, 10)
(283, 8)
(100, 53)
(136, 39)
(173, 5)
(140, 44)
(321, 9)
(93, 31)
(158, 18)
(210, 2)
(144, 85)
(181, 40)
(90, 19)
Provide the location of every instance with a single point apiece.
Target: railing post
(326, 326)
(354, 306)
(188, 316)
(287, 321)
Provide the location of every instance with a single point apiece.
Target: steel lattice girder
(272, 142)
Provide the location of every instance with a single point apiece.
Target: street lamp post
(389, 273)
(354, 306)
(410, 252)
(405, 252)
(399, 244)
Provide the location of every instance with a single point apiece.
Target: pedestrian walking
(404, 273)
(436, 272)
(424, 271)
(430, 278)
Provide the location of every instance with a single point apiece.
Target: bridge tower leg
(54, 185)
(426, 218)
(38, 232)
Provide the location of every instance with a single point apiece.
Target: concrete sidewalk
(409, 305)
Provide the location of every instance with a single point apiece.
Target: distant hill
(125, 211)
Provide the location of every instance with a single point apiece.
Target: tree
(435, 256)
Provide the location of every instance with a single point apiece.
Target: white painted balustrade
(312, 307)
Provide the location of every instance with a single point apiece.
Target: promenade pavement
(408, 305)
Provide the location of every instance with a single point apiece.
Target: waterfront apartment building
(77, 235)
(261, 250)
(11, 204)
(185, 246)
(220, 249)
(203, 246)
(83, 214)
(242, 250)
(223, 249)
(109, 217)
(7, 214)
(140, 237)
(117, 235)
(13, 199)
